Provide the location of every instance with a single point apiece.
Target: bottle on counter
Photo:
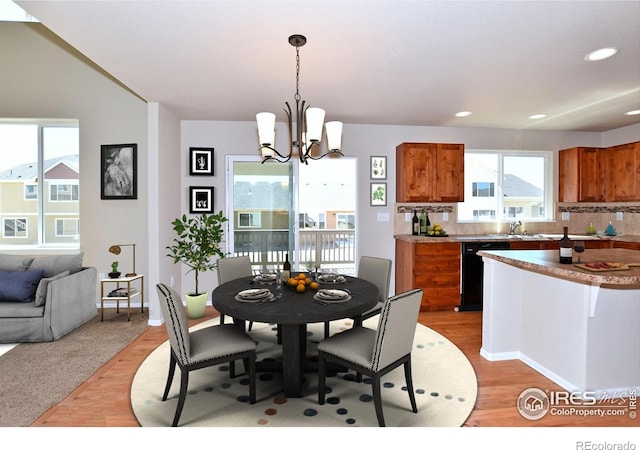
(286, 269)
(566, 249)
(416, 223)
(428, 222)
(423, 223)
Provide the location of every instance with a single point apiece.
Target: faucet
(513, 226)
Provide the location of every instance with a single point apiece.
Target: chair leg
(250, 325)
(377, 398)
(321, 380)
(409, 380)
(232, 369)
(172, 370)
(326, 330)
(221, 318)
(184, 381)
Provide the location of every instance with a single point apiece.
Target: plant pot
(114, 274)
(196, 305)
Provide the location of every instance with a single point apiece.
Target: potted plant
(114, 270)
(198, 241)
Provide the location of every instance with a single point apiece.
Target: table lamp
(115, 249)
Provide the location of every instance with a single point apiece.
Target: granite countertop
(503, 237)
(546, 262)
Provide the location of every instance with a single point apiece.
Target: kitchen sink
(573, 237)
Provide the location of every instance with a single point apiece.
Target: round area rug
(443, 379)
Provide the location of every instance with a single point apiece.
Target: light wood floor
(103, 400)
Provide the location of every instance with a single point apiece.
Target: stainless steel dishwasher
(472, 273)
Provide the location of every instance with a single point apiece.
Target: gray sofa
(44, 297)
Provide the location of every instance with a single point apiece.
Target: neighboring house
(19, 203)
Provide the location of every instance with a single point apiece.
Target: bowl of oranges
(301, 283)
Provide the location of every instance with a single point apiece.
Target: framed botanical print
(378, 194)
(200, 199)
(119, 172)
(201, 161)
(378, 167)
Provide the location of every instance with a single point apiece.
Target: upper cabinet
(581, 175)
(587, 174)
(429, 172)
(623, 173)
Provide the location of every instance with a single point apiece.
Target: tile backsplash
(580, 215)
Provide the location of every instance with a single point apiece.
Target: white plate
(266, 277)
(331, 278)
(332, 294)
(266, 298)
(254, 293)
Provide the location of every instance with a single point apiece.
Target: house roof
(513, 186)
(29, 172)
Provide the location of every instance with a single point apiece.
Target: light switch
(565, 216)
(619, 215)
(445, 217)
(383, 217)
(407, 217)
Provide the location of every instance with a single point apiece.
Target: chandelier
(309, 124)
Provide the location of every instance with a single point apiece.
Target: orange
(301, 288)
(314, 285)
(301, 282)
(293, 282)
(301, 276)
(307, 281)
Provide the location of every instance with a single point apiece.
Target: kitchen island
(579, 328)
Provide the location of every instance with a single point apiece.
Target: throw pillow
(53, 265)
(41, 292)
(19, 286)
(14, 263)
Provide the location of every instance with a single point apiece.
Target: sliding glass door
(305, 212)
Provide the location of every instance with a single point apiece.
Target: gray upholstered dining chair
(375, 353)
(232, 268)
(210, 346)
(376, 271)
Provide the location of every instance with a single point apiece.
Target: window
(483, 189)
(249, 220)
(67, 227)
(506, 185)
(14, 228)
(64, 193)
(39, 180)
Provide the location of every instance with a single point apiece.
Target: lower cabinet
(432, 267)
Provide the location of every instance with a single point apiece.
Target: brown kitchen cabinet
(624, 244)
(623, 173)
(429, 172)
(432, 267)
(581, 174)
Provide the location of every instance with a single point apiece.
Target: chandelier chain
(297, 96)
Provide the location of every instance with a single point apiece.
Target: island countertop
(546, 261)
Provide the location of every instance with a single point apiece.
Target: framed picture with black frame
(200, 199)
(119, 172)
(201, 161)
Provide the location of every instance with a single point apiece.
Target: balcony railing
(332, 250)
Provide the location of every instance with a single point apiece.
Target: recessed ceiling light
(463, 114)
(537, 116)
(635, 112)
(600, 54)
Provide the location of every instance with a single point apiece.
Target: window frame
(15, 219)
(500, 209)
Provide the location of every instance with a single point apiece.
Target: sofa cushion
(53, 265)
(19, 286)
(14, 263)
(41, 292)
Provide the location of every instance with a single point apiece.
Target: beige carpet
(444, 382)
(36, 376)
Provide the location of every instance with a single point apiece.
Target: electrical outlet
(565, 216)
(445, 217)
(101, 275)
(619, 215)
(407, 217)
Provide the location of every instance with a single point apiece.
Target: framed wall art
(200, 199)
(201, 161)
(119, 172)
(378, 194)
(378, 167)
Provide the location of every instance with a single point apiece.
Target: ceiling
(368, 62)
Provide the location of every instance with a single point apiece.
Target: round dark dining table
(292, 312)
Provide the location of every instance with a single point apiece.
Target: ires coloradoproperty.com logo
(534, 404)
